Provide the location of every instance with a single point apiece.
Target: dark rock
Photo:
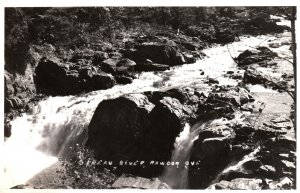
(161, 53)
(132, 128)
(255, 56)
(240, 150)
(234, 96)
(123, 79)
(54, 77)
(7, 129)
(212, 147)
(281, 143)
(151, 67)
(252, 165)
(263, 24)
(117, 129)
(225, 36)
(213, 81)
(213, 142)
(253, 76)
(264, 132)
(109, 65)
(244, 129)
(102, 81)
(189, 58)
(184, 95)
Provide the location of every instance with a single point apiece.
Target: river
(40, 137)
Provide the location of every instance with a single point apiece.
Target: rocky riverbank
(248, 142)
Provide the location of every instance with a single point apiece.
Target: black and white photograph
(149, 97)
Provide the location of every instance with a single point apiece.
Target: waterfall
(177, 177)
(38, 139)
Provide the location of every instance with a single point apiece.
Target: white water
(39, 138)
(236, 166)
(177, 177)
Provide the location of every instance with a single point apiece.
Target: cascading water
(39, 138)
(177, 177)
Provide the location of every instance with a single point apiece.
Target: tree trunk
(294, 39)
(294, 47)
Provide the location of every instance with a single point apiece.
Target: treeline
(80, 26)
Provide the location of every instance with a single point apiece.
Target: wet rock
(7, 129)
(232, 96)
(123, 79)
(109, 65)
(252, 165)
(255, 56)
(264, 132)
(133, 128)
(253, 76)
(239, 150)
(101, 81)
(213, 142)
(213, 81)
(151, 67)
(281, 143)
(185, 95)
(189, 58)
(168, 118)
(54, 77)
(117, 129)
(238, 184)
(213, 146)
(244, 129)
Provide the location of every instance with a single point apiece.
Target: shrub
(17, 39)
(83, 172)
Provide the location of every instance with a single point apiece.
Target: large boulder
(255, 56)
(222, 101)
(54, 77)
(133, 128)
(262, 24)
(117, 129)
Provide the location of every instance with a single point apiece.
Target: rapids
(40, 137)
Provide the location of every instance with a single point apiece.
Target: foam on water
(40, 137)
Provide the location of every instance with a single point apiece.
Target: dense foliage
(81, 171)
(81, 27)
